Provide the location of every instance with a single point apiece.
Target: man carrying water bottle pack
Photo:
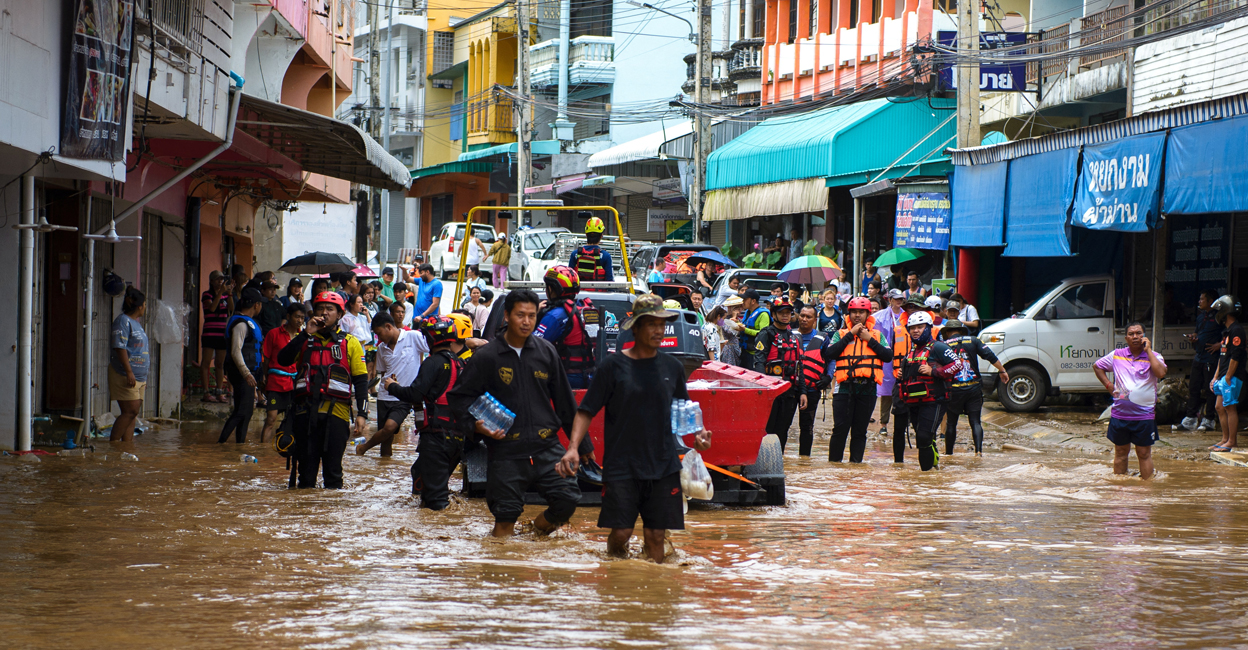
(641, 466)
(524, 374)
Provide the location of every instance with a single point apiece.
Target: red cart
(747, 465)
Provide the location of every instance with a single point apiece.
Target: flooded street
(188, 547)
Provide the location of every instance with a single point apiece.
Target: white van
(1051, 346)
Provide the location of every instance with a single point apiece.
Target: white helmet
(934, 302)
(919, 318)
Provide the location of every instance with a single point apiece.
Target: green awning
(454, 72)
(453, 168)
(843, 144)
(538, 147)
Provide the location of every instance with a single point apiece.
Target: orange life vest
(902, 345)
(858, 360)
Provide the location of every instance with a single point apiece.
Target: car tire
(442, 269)
(1025, 391)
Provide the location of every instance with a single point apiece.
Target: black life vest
(589, 264)
(916, 388)
(575, 347)
(784, 355)
(438, 410)
(325, 370)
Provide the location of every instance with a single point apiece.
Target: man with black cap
(755, 320)
(778, 352)
(637, 386)
(966, 394)
(243, 366)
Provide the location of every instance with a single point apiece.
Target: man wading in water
(1136, 371)
(641, 467)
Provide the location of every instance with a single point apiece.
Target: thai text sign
(922, 221)
(1009, 77)
(656, 218)
(1119, 184)
(97, 88)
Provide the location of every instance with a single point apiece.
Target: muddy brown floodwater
(189, 548)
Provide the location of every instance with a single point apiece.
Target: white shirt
(968, 313)
(403, 361)
(474, 250)
(357, 326)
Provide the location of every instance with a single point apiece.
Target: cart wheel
(775, 493)
(476, 462)
(768, 470)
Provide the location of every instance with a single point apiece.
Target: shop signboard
(97, 83)
(1198, 256)
(656, 218)
(667, 189)
(680, 230)
(1010, 77)
(922, 220)
(1119, 186)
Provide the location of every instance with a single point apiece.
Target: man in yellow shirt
(331, 372)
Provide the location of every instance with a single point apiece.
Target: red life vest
(438, 411)
(784, 356)
(813, 367)
(589, 267)
(325, 370)
(575, 347)
(915, 388)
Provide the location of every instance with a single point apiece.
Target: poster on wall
(922, 221)
(681, 230)
(1198, 257)
(97, 85)
(657, 219)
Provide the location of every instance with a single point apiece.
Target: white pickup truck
(1050, 347)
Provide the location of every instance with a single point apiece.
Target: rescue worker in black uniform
(966, 393)
(441, 437)
(926, 370)
(815, 377)
(331, 372)
(778, 352)
(564, 324)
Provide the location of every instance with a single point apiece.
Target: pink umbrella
(361, 271)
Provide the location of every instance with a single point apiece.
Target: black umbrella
(311, 263)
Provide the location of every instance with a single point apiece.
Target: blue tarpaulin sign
(922, 221)
(1120, 184)
(1011, 77)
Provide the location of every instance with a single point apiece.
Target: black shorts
(215, 342)
(658, 502)
(1141, 433)
(392, 410)
(278, 400)
(970, 400)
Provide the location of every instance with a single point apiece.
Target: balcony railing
(1165, 16)
(591, 60)
(747, 60)
(490, 113)
(1103, 27)
(180, 22)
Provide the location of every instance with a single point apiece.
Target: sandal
(1219, 448)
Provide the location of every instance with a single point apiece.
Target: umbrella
(318, 262)
(809, 269)
(362, 271)
(897, 256)
(714, 257)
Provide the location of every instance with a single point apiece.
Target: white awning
(785, 197)
(644, 148)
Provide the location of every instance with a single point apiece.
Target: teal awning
(453, 168)
(538, 147)
(844, 144)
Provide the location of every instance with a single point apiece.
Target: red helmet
(330, 297)
(562, 280)
(859, 303)
(438, 330)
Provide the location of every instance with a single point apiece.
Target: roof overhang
(322, 145)
(536, 148)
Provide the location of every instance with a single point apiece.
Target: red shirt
(277, 378)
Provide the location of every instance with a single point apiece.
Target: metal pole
(24, 315)
(702, 140)
(384, 240)
(565, 35)
(853, 274)
(968, 75)
(523, 165)
(88, 321)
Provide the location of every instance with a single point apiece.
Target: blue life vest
(251, 344)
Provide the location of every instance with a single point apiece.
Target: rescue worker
(926, 370)
(563, 324)
(756, 319)
(331, 373)
(441, 437)
(815, 377)
(966, 393)
(778, 352)
(524, 374)
(592, 264)
(860, 354)
(901, 345)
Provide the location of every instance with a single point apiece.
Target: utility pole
(374, 102)
(562, 127)
(968, 74)
(702, 126)
(522, 106)
(387, 93)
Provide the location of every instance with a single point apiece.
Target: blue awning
(978, 194)
(1037, 201)
(1206, 168)
(538, 147)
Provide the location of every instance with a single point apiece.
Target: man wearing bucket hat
(641, 471)
(966, 394)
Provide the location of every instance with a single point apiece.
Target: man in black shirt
(441, 438)
(523, 372)
(641, 468)
(966, 394)
(1232, 372)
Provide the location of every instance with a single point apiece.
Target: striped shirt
(214, 321)
(1135, 382)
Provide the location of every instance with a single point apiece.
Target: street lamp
(693, 36)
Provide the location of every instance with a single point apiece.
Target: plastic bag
(695, 481)
(168, 323)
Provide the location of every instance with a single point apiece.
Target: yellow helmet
(594, 224)
(463, 326)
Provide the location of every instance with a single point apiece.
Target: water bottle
(248, 458)
(675, 408)
(697, 417)
(125, 455)
(359, 441)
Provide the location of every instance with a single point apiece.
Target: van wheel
(1025, 391)
(442, 270)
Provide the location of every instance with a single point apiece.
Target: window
(457, 116)
(814, 18)
(877, 8)
(1083, 301)
(760, 19)
(443, 51)
(792, 20)
(591, 17)
(853, 13)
